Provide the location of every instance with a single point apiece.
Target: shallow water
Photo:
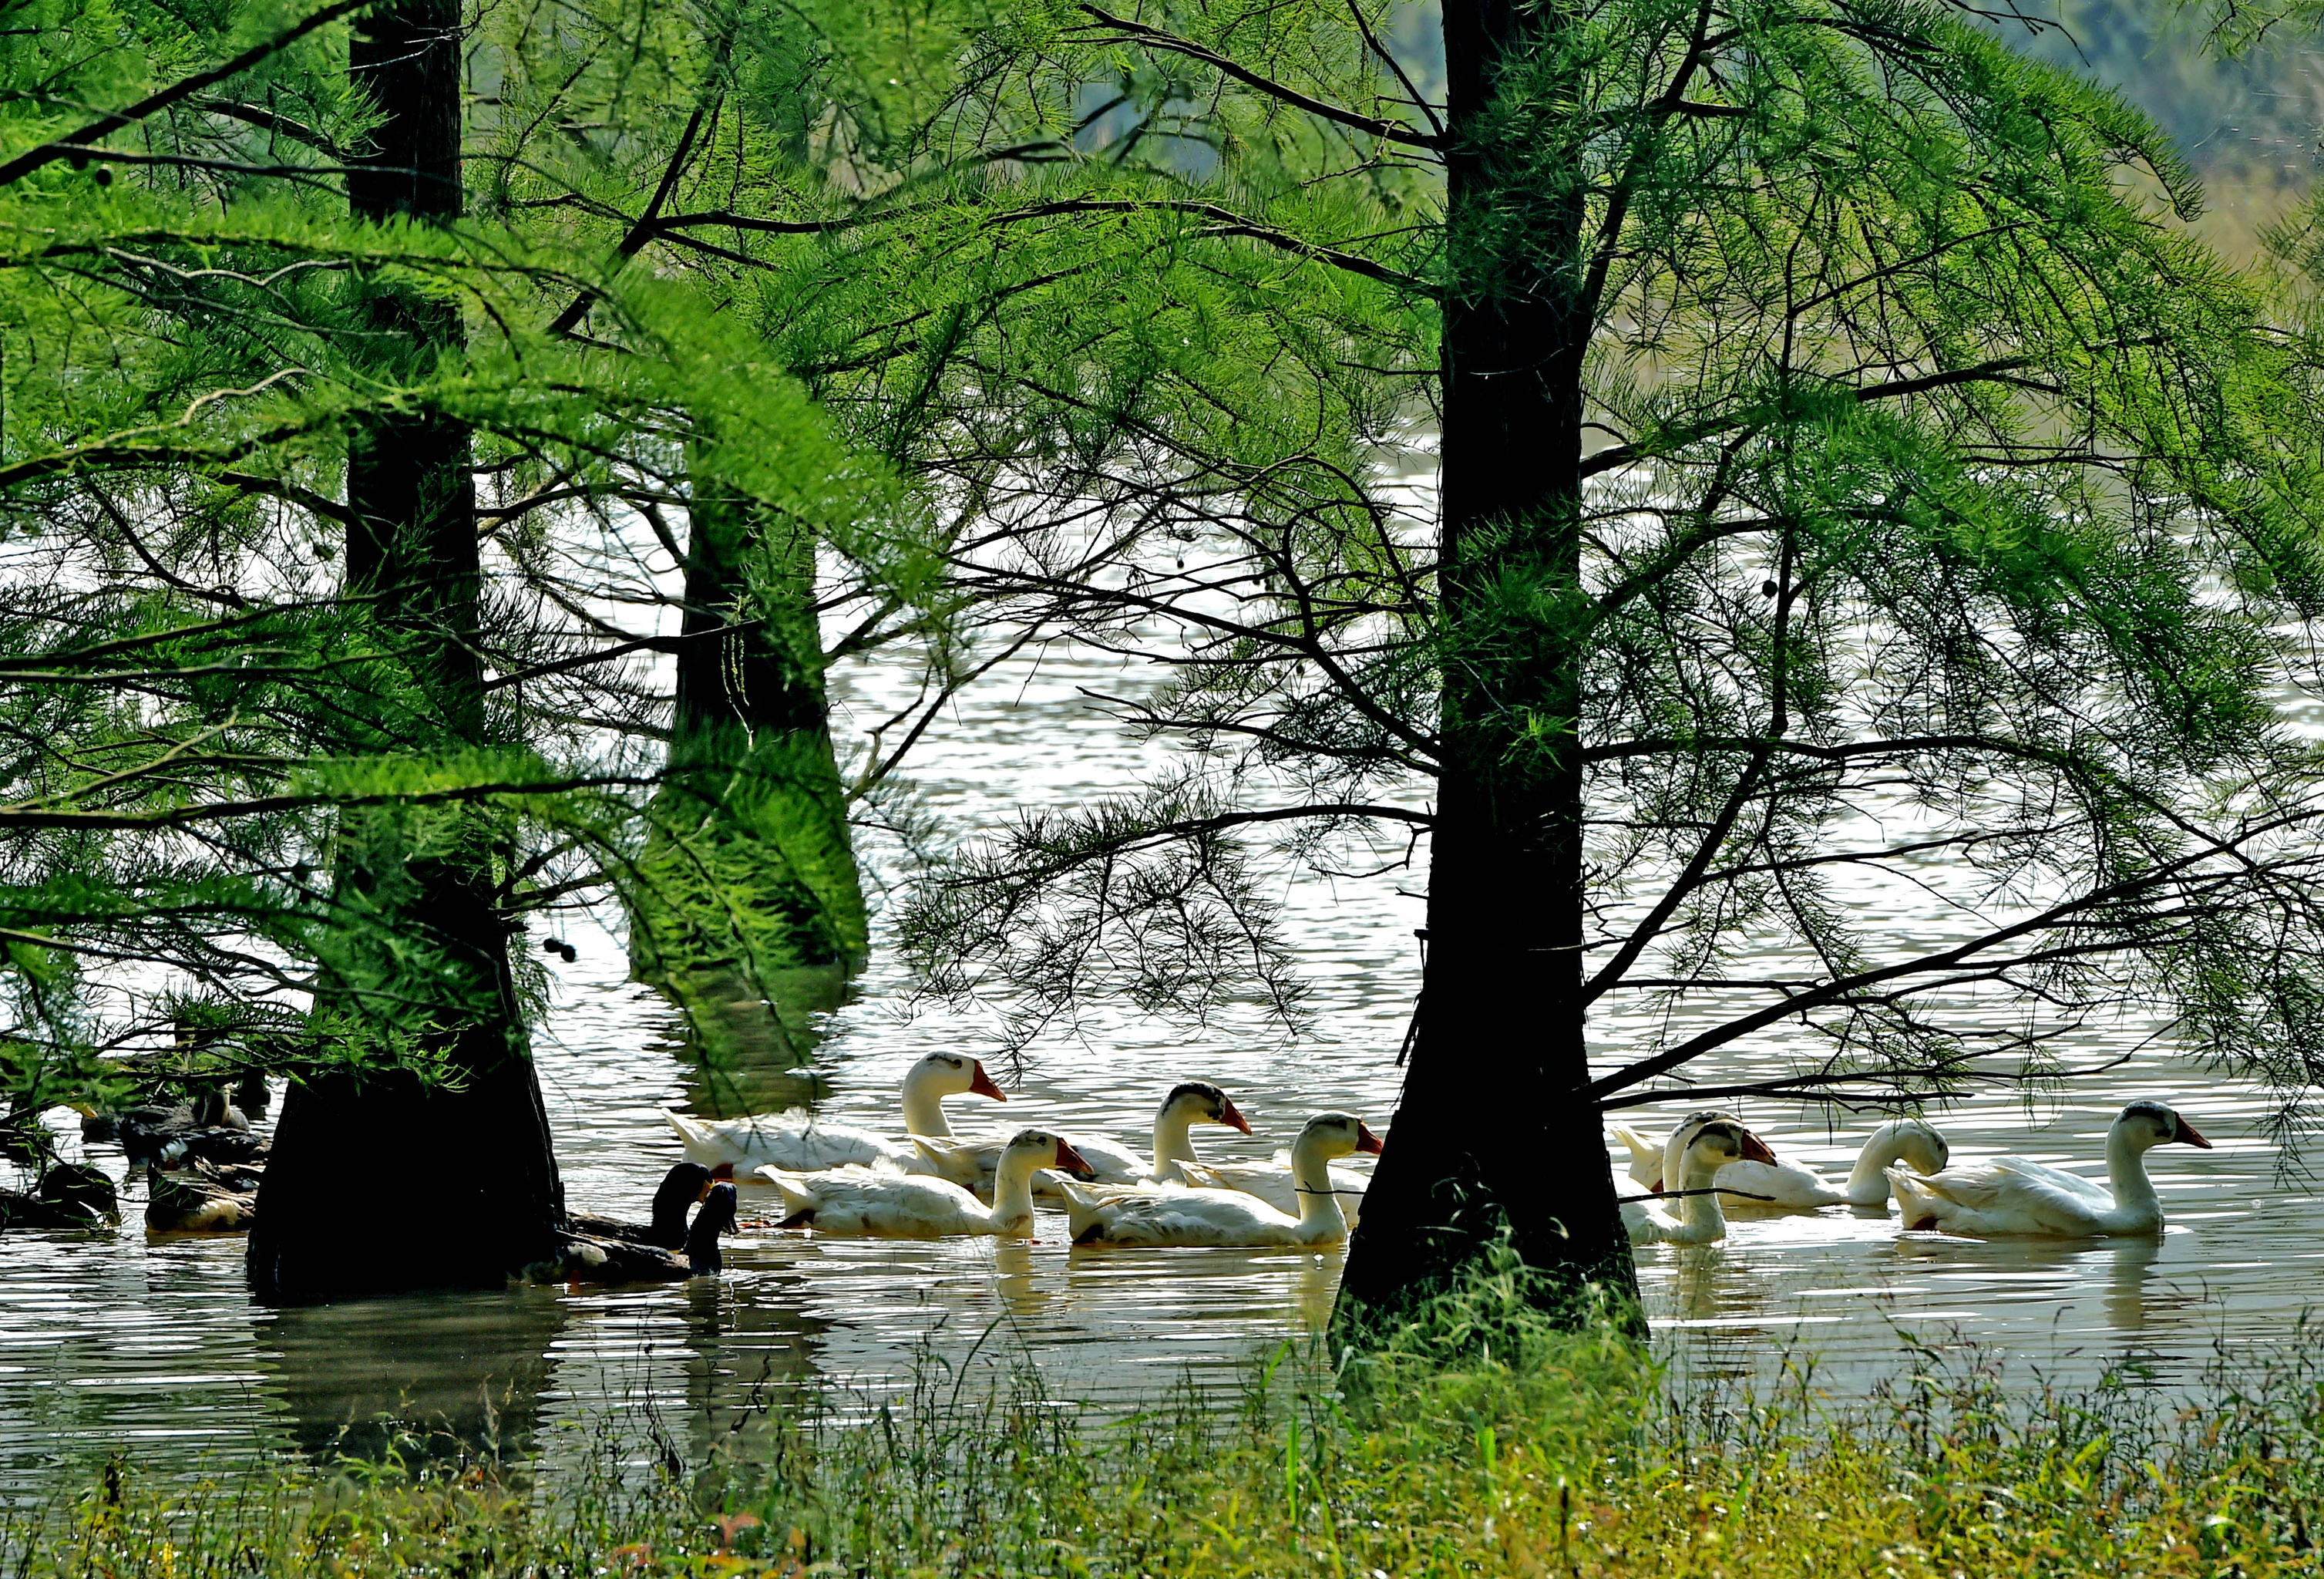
(149, 1345)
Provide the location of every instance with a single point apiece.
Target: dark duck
(680, 1189)
(206, 1129)
(588, 1258)
(67, 1196)
(200, 1197)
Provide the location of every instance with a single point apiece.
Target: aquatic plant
(1561, 1453)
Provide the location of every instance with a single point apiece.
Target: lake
(150, 1346)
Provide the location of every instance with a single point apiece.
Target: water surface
(150, 1346)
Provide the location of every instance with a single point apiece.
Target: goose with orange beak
(1174, 1216)
(1190, 1103)
(2010, 1197)
(1695, 1217)
(863, 1202)
(797, 1141)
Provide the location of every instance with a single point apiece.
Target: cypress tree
(435, 927)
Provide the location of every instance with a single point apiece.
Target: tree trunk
(417, 960)
(750, 875)
(1495, 1135)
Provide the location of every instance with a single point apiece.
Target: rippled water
(150, 1344)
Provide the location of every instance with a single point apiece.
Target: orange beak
(981, 1083)
(1071, 1160)
(2192, 1136)
(1232, 1119)
(1655, 1189)
(1755, 1150)
(1366, 1141)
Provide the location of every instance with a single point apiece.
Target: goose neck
(924, 1112)
(1867, 1181)
(1174, 1141)
(1703, 1210)
(2127, 1170)
(1311, 1170)
(1012, 1186)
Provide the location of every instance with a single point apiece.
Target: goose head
(1334, 1134)
(1921, 1147)
(1029, 1149)
(1200, 1102)
(1718, 1142)
(951, 1074)
(1683, 1136)
(936, 1076)
(2147, 1124)
(717, 1217)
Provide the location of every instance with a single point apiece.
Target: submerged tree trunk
(416, 961)
(750, 877)
(1497, 1135)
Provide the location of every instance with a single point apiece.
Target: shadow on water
(428, 1379)
(742, 1054)
(753, 1356)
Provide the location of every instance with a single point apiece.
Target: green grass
(1534, 1455)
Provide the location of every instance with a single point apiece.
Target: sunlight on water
(151, 1345)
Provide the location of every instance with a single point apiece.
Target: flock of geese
(930, 1183)
(202, 1163)
(1716, 1161)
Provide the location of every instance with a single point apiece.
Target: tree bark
(751, 872)
(416, 959)
(1496, 1135)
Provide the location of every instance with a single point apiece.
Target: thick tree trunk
(418, 956)
(1496, 1135)
(750, 874)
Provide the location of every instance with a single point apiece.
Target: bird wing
(1641, 1223)
(967, 1163)
(1994, 1198)
(1646, 1156)
(2058, 1178)
(1778, 1184)
(1193, 1216)
(791, 1140)
(1113, 1164)
(1258, 1179)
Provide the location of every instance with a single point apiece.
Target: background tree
(242, 775)
(1841, 468)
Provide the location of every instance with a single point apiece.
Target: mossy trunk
(1496, 1148)
(414, 969)
(750, 888)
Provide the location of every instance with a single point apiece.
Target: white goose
(1274, 1182)
(877, 1203)
(2009, 1196)
(1768, 1185)
(794, 1141)
(1716, 1145)
(1648, 1159)
(1193, 1102)
(1181, 1216)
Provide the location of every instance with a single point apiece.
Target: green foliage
(205, 732)
(1900, 326)
(1573, 1462)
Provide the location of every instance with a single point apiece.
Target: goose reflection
(1022, 1294)
(2129, 1303)
(1699, 1279)
(1319, 1283)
